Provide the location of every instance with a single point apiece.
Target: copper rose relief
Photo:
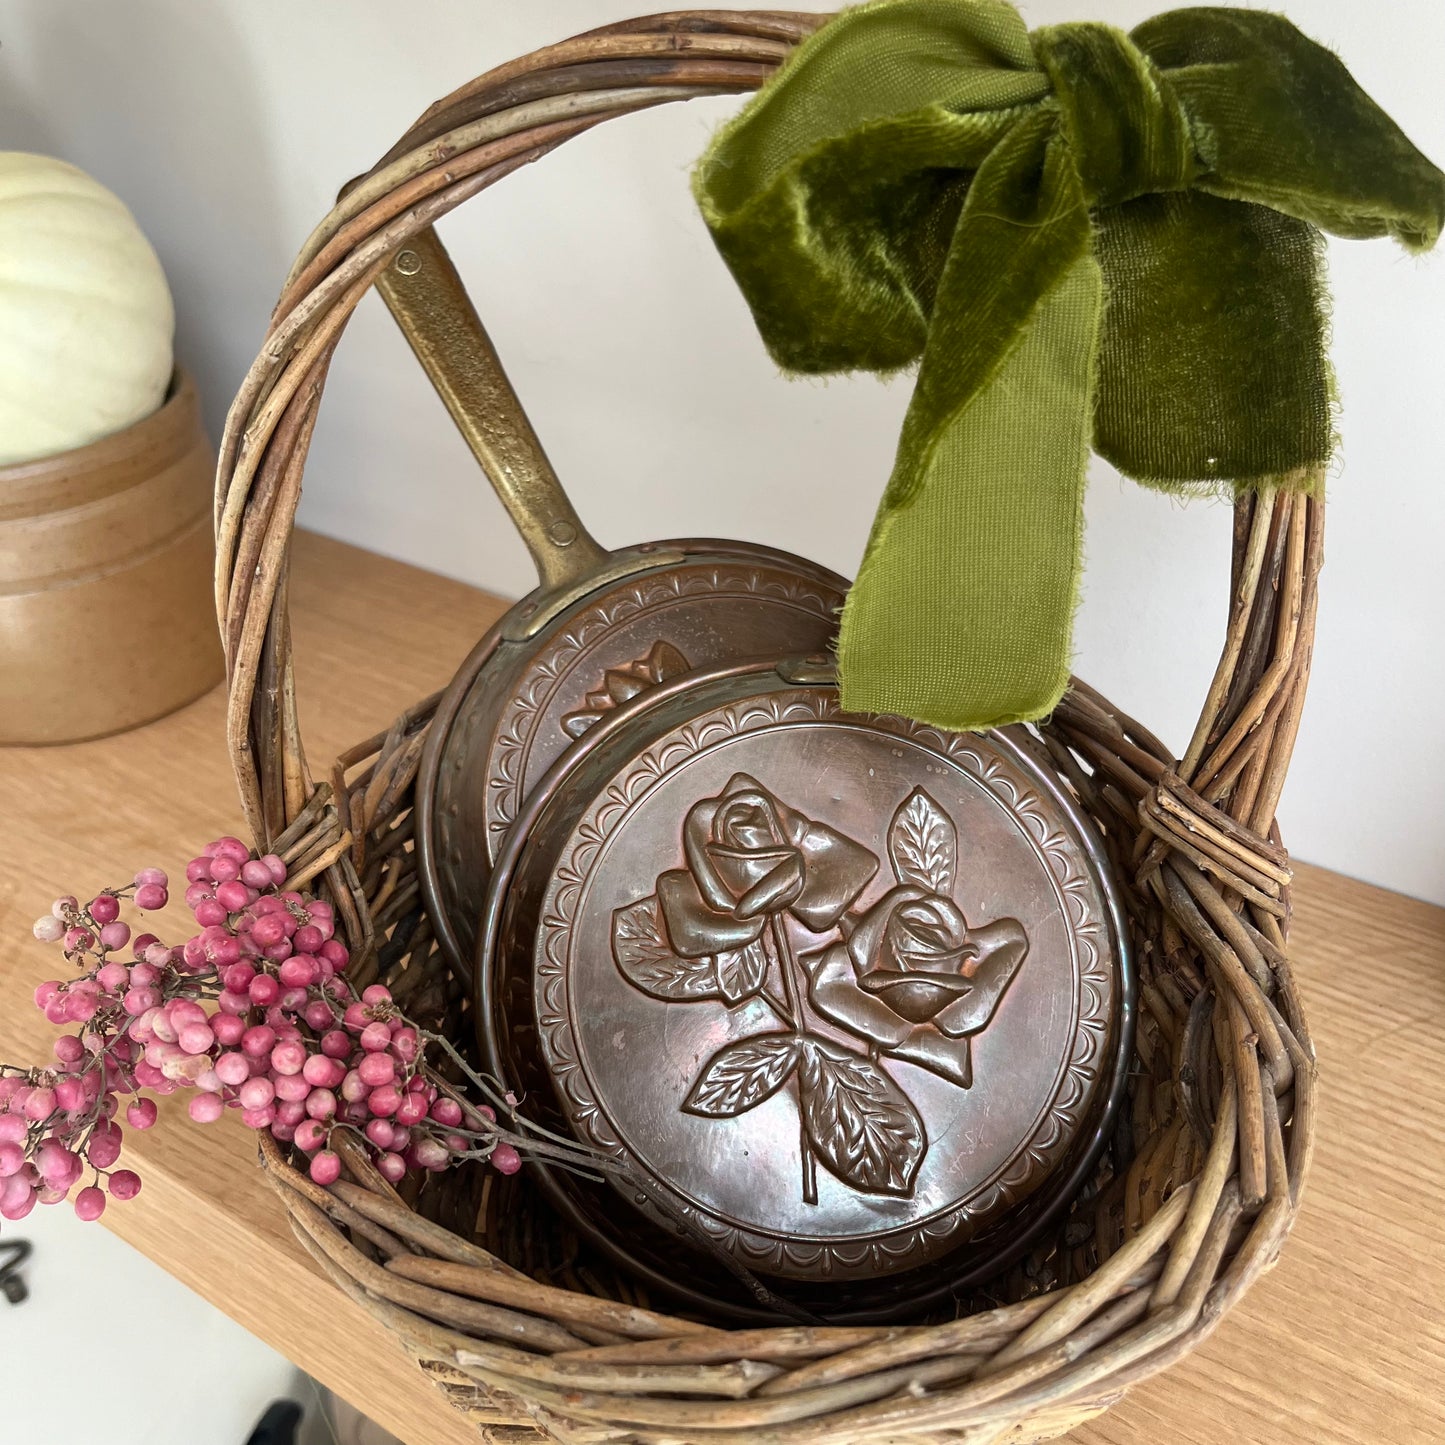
(907, 978)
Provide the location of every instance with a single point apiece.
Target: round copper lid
(845, 991)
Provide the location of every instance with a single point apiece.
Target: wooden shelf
(1344, 1342)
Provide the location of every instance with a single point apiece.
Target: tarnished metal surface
(847, 991)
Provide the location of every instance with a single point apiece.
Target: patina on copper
(601, 626)
(848, 994)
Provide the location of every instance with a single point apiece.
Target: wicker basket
(1204, 1175)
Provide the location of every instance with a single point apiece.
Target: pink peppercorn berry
(39, 1105)
(391, 1167)
(151, 896)
(206, 1108)
(310, 1135)
(376, 1069)
(141, 1114)
(447, 1111)
(320, 1104)
(89, 1204)
(325, 1167)
(49, 929)
(288, 1057)
(124, 1184)
(104, 908)
(69, 1049)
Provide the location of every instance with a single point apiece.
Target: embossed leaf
(740, 971)
(640, 947)
(923, 844)
(739, 1077)
(862, 1125)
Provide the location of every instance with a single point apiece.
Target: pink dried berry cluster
(252, 1013)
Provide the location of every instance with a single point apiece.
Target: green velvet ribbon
(1084, 238)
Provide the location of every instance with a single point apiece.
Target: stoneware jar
(106, 612)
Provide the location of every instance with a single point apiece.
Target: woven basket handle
(468, 141)
(425, 294)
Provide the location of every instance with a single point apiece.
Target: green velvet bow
(926, 181)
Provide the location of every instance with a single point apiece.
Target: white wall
(229, 125)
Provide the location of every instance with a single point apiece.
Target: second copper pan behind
(602, 627)
(513, 709)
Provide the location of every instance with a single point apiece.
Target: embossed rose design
(907, 976)
(915, 981)
(750, 856)
(914, 953)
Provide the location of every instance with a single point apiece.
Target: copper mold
(848, 995)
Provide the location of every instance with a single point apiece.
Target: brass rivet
(408, 263)
(562, 533)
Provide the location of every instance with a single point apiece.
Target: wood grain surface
(1343, 1342)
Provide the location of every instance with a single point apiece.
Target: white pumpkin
(86, 320)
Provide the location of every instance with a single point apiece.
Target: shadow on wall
(159, 101)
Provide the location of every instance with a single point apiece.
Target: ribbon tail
(962, 612)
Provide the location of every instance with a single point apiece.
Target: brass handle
(424, 293)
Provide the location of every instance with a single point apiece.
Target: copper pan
(847, 999)
(600, 627)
